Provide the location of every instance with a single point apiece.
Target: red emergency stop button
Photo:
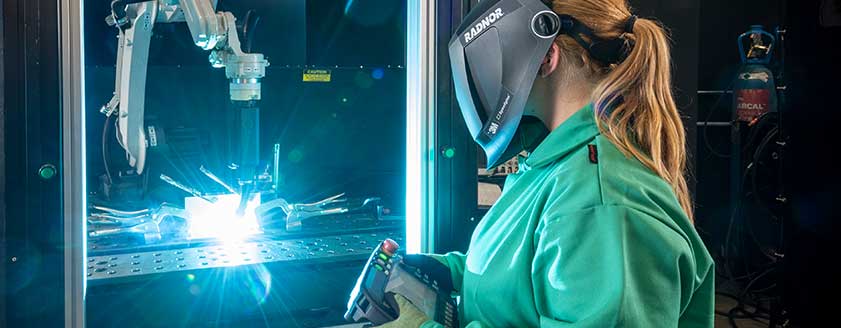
(390, 247)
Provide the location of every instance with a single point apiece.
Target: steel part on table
(145, 223)
(347, 223)
(325, 248)
(295, 214)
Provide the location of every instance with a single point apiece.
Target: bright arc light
(219, 219)
(414, 116)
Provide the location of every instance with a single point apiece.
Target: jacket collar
(577, 130)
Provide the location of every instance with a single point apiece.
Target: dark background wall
(31, 237)
(813, 272)
(2, 168)
(810, 115)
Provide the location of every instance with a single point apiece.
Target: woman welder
(595, 230)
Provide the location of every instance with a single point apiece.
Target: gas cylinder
(754, 90)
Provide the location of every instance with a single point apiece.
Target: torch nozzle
(245, 195)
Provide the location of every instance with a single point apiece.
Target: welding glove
(435, 266)
(410, 316)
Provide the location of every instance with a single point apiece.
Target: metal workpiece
(337, 247)
(103, 219)
(150, 231)
(120, 212)
(295, 221)
(144, 223)
(217, 179)
(296, 214)
(359, 223)
(189, 190)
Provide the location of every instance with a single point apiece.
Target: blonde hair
(633, 99)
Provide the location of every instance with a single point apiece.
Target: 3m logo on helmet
(483, 24)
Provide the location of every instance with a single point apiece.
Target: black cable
(755, 191)
(746, 290)
(249, 27)
(728, 295)
(721, 313)
(745, 314)
(710, 113)
(734, 228)
(246, 20)
(741, 312)
(731, 225)
(732, 319)
(145, 178)
(749, 275)
(740, 307)
(105, 151)
(772, 286)
(725, 249)
(755, 315)
(758, 153)
(118, 12)
(760, 123)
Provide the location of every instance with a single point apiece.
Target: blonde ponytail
(633, 99)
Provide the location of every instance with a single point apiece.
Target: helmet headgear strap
(607, 51)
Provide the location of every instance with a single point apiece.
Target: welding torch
(249, 150)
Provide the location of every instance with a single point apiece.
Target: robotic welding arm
(206, 26)
(211, 30)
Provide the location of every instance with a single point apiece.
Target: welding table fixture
(294, 215)
(211, 30)
(146, 223)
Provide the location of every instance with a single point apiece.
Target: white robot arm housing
(211, 30)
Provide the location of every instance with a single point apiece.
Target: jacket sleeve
(611, 266)
(433, 324)
(455, 262)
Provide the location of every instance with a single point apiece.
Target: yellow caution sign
(317, 75)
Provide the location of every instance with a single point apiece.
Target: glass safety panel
(243, 157)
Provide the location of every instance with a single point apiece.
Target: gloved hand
(432, 266)
(410, 315)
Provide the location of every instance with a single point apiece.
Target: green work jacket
(584, 236)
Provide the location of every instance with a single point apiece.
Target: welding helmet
(495, 55)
